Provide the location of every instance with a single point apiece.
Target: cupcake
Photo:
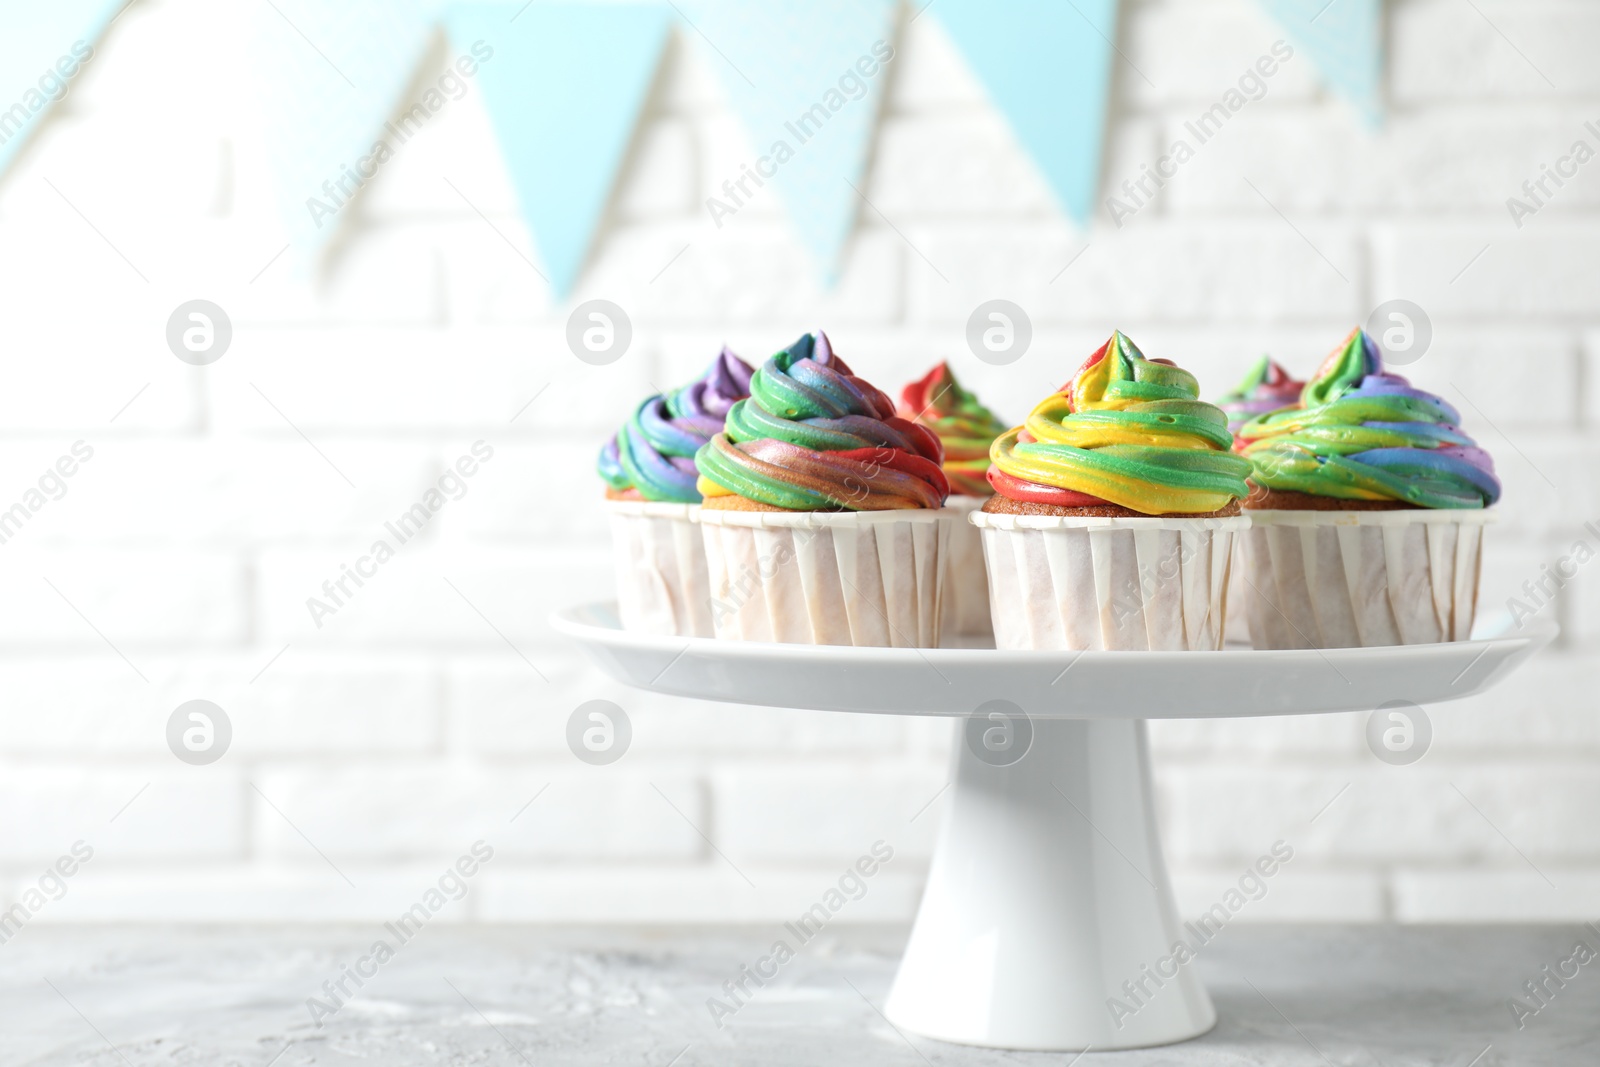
(648, 468)
(822, 510)
(966, 429)
(1115, 508)
(1266, 388)
(1367, 512)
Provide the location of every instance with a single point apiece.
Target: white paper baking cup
(1349, 579)
(660, 563)
(1100, 583)
(964, 609)
(826, 578)
(1236, 628)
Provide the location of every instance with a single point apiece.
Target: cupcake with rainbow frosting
(822, 513)
(1265, 389)
(966, 429)
(650, 478)
(1115, 508)
(652, 456)
(1367, 512)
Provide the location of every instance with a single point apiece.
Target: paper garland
(1047, 66)
(807, 80)
(330, 76)
(564, 91)
(1345, 40)
(43, 46)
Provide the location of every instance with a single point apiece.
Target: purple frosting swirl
(1363, 433)
(654, 452)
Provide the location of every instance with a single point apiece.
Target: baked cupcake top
(1362, 433)
(814, 437)
(962, 424)
(1266, 388)
(652, 456)
(1126, 431)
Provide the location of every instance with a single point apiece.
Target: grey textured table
(1356, 996)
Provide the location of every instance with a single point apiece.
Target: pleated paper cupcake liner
(1236, 631)
(660, 562)
(1349, 579)
(1117, 584)
(826, 578)
(964, 611)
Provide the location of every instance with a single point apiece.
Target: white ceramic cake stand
(1048, 890)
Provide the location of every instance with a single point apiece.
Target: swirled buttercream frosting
(962, 424)
(1362, 433)
(1266, 388)
(814, 437)
(652, 456)
(1126, 431)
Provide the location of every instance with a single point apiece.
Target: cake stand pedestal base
(1048, 903)
(1047, 922)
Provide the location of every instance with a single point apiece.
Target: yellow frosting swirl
(1126, 431)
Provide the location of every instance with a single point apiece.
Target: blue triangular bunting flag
(1345, 41)
(1047, 66)
(564, 92)
(807, 81)
(333, 74)
(42, 48)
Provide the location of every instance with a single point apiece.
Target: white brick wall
(404, 728)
